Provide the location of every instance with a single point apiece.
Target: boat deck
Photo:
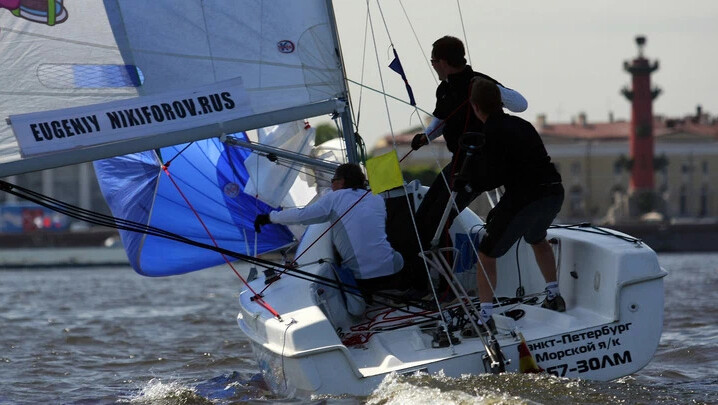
(411, 346)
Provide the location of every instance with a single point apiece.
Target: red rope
(257, 297)
(362, 332)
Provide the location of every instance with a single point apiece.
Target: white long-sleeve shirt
(359, 237)
(512, 100)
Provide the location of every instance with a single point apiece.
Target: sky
(564, 56)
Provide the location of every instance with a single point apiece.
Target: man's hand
(461, 184)
(262, 219)
(419, 141)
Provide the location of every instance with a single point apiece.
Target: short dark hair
(486, 96)
(450, 49)
(352, 175)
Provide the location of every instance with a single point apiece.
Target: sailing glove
(461, 184)
(419, 141)
(262, 219)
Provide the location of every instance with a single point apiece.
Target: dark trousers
(428, 217)
(434, 203)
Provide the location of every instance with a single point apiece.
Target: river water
(108, 335)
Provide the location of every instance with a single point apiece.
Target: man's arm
(315, 213)
(513, 100)
(435, 128)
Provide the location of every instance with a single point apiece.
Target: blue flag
(395, 65)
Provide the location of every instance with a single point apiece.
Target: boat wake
(224, 389)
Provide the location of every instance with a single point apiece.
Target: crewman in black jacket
(512, 155)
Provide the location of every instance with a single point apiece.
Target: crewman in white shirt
(359, 236)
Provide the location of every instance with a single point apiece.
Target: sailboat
(161, 94)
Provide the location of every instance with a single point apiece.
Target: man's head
(485, 98)
(348, 175)
(447, 56)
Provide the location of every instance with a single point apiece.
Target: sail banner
(53, 131)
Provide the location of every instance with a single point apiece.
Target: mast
(347, 125)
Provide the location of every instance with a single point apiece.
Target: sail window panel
(31, 51)
(85, 37)
(71, 76)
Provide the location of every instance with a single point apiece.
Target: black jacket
(452, 106)
(513, 156)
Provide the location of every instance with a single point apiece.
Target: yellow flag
(527, 363)
(384, 172)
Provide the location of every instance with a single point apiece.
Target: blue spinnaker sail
(212, 177)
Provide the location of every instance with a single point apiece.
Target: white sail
(283, 51)
(42, 66)
(271, 182)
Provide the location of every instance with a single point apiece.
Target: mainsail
(283, 51)
(46, 67)
(152, 75)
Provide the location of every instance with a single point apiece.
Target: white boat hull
(613, 289)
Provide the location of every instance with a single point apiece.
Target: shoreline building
(75, 184)
(594, 161)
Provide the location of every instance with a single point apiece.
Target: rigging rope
(421, 48)
(406, 194)
(100, 219)
(294, 262)
(381, 77)
(463, 29)
(363, 59)
(362, 85)
(177, 155)
(381, 13)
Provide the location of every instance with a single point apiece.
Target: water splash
(422, 388)
(157, 392)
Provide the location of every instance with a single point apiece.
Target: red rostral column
(641, 96)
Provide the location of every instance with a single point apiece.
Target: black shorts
(504, 226)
